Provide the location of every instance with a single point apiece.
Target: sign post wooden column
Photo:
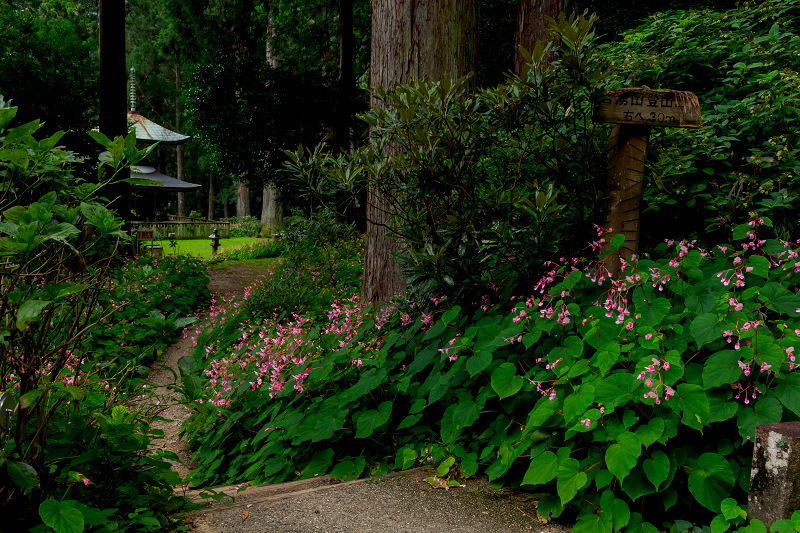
(633, 111)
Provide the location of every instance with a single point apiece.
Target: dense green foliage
(743, 66)
(77, 324)
(220, 61)
(594, 390)
(48, 56)
(734, 518)
(244, 113)
(291, 293)
(258, 249)
(248, 226)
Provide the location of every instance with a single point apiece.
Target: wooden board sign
(634, 111)
(642, 106)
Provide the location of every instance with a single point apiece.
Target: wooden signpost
(633, 111)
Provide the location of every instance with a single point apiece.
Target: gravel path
(227, 283)
(401, 502)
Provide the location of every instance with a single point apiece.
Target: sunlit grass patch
(201, 247)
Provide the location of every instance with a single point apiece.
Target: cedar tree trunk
(532, 25)
(179, 149)
(242, 199)
(210, 196)
(271, 212)
(411, 39)
(346, 80)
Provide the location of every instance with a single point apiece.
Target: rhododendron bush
(617, 400)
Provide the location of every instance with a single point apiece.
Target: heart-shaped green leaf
(570, 479)
(656, 468)
(61, 516)
(505, 380)
(623, 455)
(542, 469)
(712, 481)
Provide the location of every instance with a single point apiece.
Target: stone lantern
(214, 242)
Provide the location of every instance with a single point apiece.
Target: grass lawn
(201, 247)
(260, 264)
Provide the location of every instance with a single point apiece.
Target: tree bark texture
(272, 59)
(242, 199)
(271, 212)
(532, 25)
(181, 198)
(210, 196)
(411, 40)
(113, 77)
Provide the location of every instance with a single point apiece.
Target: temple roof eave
(149, 132)
(159, 181)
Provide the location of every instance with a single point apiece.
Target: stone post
(775, 474)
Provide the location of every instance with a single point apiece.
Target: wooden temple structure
(153, 196)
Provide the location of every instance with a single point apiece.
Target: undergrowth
(595, 391)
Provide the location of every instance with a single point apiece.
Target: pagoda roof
(160, 181)
(149, 132)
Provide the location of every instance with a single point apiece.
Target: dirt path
(226, 283)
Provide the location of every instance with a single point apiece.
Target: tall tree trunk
(411, 39)
(272, 59)
(242, 199)
(346, 77)
(532, 25)
(210, 196)
(271, 211)
(113, 81)
(179, 149)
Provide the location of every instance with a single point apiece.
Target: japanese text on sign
(647, 107)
